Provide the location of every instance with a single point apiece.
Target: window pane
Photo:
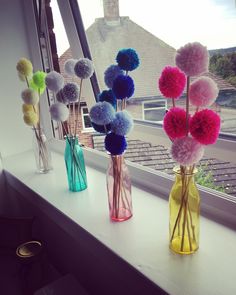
(154, 115)
(87, 122)
(154, 104)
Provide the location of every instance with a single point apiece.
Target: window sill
(141, 241)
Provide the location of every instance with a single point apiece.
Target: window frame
(154, 108)
(85, 129)
(216, 205)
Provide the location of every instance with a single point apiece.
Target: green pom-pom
(33, 86)
(39, 79)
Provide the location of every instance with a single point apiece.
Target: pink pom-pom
(187, 151)
(192, 59)
(175, 123)
(205, 126)
(203, 92)
(172, 82)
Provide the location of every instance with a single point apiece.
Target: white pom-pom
(59, 112)
(30, 96)
(69, 66)
(54, 81)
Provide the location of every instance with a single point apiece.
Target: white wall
(15, 136)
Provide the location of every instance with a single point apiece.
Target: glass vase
(41, 151)
(119, 189)
(184, 206)
(75, 166)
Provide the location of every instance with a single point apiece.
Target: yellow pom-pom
(31, 119)
(27, 108)
(24, 67)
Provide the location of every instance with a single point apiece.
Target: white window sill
(141, 241)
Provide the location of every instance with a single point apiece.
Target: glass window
(112, 25)
(86, 122)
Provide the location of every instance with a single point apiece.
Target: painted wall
(15, 136)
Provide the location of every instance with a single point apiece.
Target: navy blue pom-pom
(108, 96)
(123, 87)
(115, 144)
(127, 59)
(101, 128)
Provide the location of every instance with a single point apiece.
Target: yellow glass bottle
(184, 206)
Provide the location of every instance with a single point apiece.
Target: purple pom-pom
(123, 87)
(115, 144)
(111, 73)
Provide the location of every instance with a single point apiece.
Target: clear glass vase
(41, 151)
(119, 189)
(184, 206)
(75, 166)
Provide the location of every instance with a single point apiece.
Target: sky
(210, 22)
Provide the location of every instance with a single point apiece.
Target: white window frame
(217, 205)
(85, 129)
(153, 108)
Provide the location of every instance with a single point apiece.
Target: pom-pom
(122, 124)
(69, 66)
(111, 73)
(102, 113)
(59, 112)
(123, 87)
(172, 82)
(31, 119)
(71, 92)
(205, 126)
(108, 96)
(54, 81)
(101, 128)
(186, 151)
(203, 92)
(60, 97)
(175, 123)
(192, 59)
(127, 59)
(30, 96)
(24, 67)
(27, 108)
(115, 144)
(39, 79)
(84, 68)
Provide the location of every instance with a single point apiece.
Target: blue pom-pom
(111, 73)
(123, 87)
(122, 124)
(108, 96)
(115, 144)
(127, 59)
(101, 128)
(102, 113)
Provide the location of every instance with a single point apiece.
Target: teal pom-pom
(115, 144)
(127, 59)
(108, 96)
(122, 124)
(123, 87)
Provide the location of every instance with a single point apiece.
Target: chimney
(111, 11)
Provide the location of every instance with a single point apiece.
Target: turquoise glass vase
(75, 166)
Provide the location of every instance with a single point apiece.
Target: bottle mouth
(188, 171)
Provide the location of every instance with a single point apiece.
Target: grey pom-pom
(69, 66)
(59, 112)
(60, 97)
(71, 92)
(102, 113)
(54, 81)
(122, 124)
(84, 68)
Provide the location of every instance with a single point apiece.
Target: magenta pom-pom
(205, 126)
(192, 59)
(186, 151)
(175, 123)
(172, 82)
(203, 92)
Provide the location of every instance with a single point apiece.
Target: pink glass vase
(119, 189)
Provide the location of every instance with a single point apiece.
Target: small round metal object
(29, 249)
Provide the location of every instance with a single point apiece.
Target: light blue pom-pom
(111, 73)
(122, 124)
(102, 113)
